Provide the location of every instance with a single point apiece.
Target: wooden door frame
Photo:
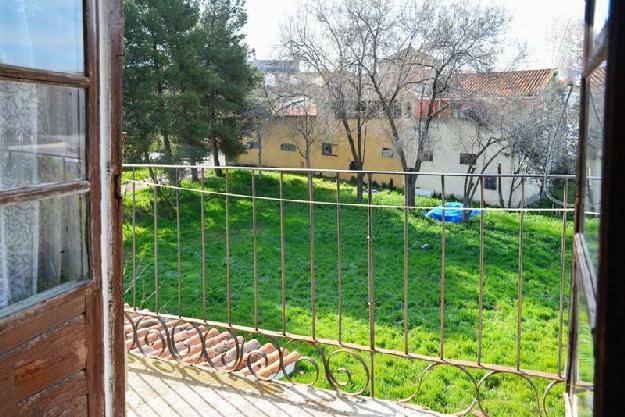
(609, 392)
(118, 351)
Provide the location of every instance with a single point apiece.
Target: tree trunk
(259, 143)
(360, 186)
(411, 195)
(499, 187)
(195, 177)
(466, 214)
(218, 171)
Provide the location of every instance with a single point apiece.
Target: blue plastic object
(453, 213)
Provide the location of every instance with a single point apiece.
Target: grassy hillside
(446, 389)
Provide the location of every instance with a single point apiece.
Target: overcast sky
(531, 23)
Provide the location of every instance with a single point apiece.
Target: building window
(252, 145)
(490, 183)
(396, 109)
(288, 147)
(387, 152)
(326, 149)
(468, 158)
(407, 110)
(428, 156)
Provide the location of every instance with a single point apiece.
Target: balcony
(275, 291)
(168, 389)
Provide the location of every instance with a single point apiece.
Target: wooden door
(51, 324)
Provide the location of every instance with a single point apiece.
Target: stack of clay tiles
(221, 346)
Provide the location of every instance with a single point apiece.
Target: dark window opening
(252, 145)
(326, 149)
(407, 110)
(396, 109)
(288, 147)
(468, 158)
(428, 156)
(387, 152)
(490, 183)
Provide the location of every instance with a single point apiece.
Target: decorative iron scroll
(221, 348)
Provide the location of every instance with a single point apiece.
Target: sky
(531, 24)
(43, 34)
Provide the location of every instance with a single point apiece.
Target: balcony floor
(159, 388)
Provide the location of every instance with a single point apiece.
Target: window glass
(468, 158)
(289, 147)
(42, 34)
(387, 152)
(602, 9)
(490, 183)
(42, 134)
(326, 148)
(585, 362)
(42, 245)
(594, 161)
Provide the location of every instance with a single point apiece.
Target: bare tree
(534, 133)
(418, 47)
(566, 42)
(487, 144)
(301, 105)
(320, 37)
(260, 113)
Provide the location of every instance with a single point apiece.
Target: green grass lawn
(446, 389)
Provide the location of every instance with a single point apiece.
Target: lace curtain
(42, 243)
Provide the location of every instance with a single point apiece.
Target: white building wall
(448, 139)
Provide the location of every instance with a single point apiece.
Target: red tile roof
(597, 77)
(223, 350)
(509, 83)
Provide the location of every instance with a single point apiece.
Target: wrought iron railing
(160, 325)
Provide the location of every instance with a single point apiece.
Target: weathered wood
(28, 324)
(94, 313)
(67, 398)
(15, 73)
(43, 191)
(7, 390)
(45, 360)
(116, 32)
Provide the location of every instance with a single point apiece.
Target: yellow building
(282, 147)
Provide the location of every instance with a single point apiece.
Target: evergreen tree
(225, 52)
(186, 78)
(159, 47)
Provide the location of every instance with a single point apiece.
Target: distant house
(453, 146)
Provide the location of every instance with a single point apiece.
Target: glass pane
(42, 134)
(585, 363)
(42, 34)
(602, 10)
(43, 244)
(594, 161)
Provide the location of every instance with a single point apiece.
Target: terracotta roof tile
(597, 77)
(222, 349)
(509, 83)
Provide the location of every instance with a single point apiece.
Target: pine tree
(186, 78)
(159, 54)
(225, 52)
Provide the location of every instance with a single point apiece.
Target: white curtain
(19, 255)
(42, 243)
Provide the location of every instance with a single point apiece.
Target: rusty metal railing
(170, 177)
